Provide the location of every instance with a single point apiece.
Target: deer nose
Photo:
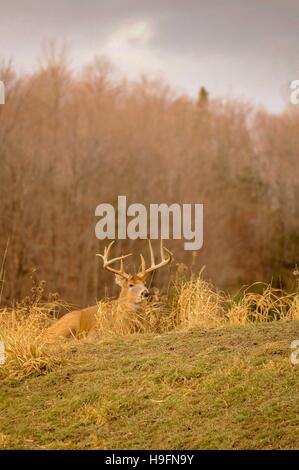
(145, 293)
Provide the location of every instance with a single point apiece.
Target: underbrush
(22, 330)
(188, 303)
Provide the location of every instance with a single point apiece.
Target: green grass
(225, 388)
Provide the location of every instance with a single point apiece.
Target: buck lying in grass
(133, 293)
(189, 303)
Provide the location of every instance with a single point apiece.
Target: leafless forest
(69, 141)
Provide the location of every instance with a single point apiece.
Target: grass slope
(225, 388)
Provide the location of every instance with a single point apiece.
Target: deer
(133, 293)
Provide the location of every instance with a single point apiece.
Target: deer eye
(131, 285)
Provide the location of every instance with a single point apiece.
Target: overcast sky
(247, 49)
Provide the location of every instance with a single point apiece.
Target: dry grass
(196, 303)
(219, 388)
(269, 305)
(189, 303)
(115, 319)
(22, 329)
(26, 350)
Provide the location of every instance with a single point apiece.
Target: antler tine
(168, 252)
(164, 260)
(108, 248)
(151, 252)
(107, 262)
(142, 272)
(164, 250)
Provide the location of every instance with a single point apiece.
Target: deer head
(133, 287)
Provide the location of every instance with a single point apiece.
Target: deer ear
(119, 280)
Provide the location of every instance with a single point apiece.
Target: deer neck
(123, 301)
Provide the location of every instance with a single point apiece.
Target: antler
(107, 262)
(164, 260)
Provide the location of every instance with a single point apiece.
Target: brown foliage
(68, 143)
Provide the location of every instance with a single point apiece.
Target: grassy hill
(231, 387)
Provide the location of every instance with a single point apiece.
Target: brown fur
(77, 324)
(82, 323)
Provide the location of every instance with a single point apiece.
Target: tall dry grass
(115, 319)
(270, 305)
(197, 303)
(189, 304)
(22, 330)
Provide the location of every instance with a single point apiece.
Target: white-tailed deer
(79, 323)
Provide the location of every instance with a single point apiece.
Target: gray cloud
(247, 48)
